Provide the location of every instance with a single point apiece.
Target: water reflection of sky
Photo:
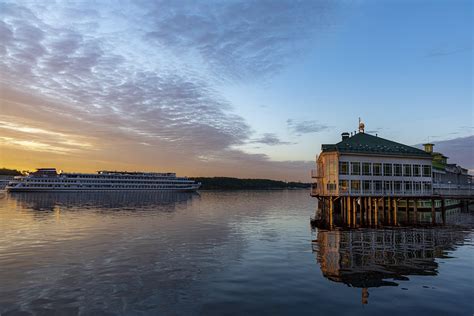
(216, 253)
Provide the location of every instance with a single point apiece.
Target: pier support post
(395, 210)
(443, 211)
(376, 209)
(341, 201)
(331, 209)
(415, 211)
(433, 212)
(349, 213)
(354, 212)
(407, 206)
(370, 211)
(365, 210)
(382, 212)
(389, 210)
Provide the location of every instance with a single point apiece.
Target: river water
(222, 253)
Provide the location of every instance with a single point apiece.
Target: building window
(426, 171)
(378, 186)
(417, 186)
(366, 169)
(355, 168)
(343, 167)
(416, 170)
(387, 169)
(408, 186)
(377, 169)
(397, 170)
(397, 185)
(407, 171)
(355, 186)
(331, 186)
(387, 186)
(367, 186)
(427, 186)
(343, 186)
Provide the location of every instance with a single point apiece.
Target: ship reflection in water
(125, 200)
(369, 258)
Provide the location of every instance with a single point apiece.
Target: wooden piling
(415, 211)
(443, 211)
(365, 210)
(407, 206)
(331, 210)
(376, 209)
(349, 213)
(395, 210)
(433, 212)
(370, 211)
(389, 210)
(354, 212)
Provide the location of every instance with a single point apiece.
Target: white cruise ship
(47, 179)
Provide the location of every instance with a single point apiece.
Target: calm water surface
(221, 253)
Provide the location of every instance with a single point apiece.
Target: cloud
(237, 39)
(136, 83)
(459, 150)
(269, 139)
(305, 127)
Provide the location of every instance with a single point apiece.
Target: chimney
(345, 135)
(428, 147)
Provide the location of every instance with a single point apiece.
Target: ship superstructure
(48, 179)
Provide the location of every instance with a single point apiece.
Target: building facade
(367, 165)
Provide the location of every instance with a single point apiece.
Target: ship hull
(13, 189)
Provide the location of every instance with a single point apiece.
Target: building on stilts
(368, 180)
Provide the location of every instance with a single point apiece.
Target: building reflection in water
(368, 258)
(126, 200)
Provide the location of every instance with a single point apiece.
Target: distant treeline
(9, 172)
(224, 183)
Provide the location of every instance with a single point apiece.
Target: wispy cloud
(306, 127)
(269, 139)
(459, 150)
(143, 75)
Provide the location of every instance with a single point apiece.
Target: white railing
(438, 189)
(453, 189)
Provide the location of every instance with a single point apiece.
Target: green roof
(363, 143)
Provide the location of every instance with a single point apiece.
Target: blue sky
(236, 88)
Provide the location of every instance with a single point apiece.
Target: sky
(249, 89)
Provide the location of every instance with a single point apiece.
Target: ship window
(387, 169)
(407, 170)
(355, 168)
(366, 168)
